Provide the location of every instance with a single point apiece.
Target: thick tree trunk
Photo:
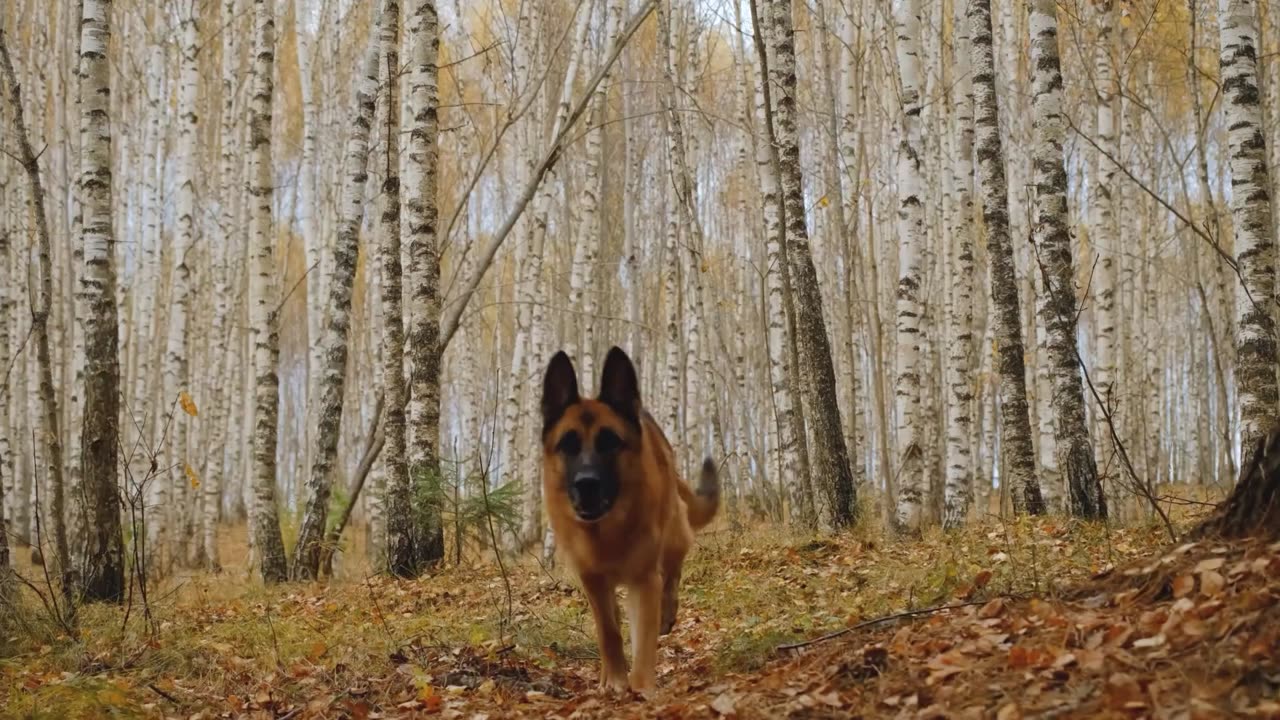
(333, 367)
(1253, 508)
(1053, 248)
(832, 473)
(104, 550)
(426, 344)
(401, 556)
(1253, 215)
(912, 238)
(1019, 466)
(265, 300)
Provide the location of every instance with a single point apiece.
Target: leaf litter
(1041, 620)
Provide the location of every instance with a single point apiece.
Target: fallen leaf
(724, 704)
(1193, 628)
(1123, 691)
(992, 609)
(1117, 635)
(317, 650)
(191, 476)
(981, 579)
(1183, 585)
(1210, 564)
(1212, 583)
(1010, 711)
(188, 405)
(1150, 642)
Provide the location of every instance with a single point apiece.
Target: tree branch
(455, 308)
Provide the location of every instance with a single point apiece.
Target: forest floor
(1049, 618)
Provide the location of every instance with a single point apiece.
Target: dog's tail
(704, 502)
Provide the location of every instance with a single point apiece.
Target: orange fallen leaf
(981, 579)
(188, 405)
(1183, 585)
(1117, 635)
(993, 609)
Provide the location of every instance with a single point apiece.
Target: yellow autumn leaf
(191, 476)
(705, 266)
(188, 405)
(823, 201)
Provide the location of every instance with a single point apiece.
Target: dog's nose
(586, 484)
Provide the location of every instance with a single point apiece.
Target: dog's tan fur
(641, 542)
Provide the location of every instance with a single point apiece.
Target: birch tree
(40, 313)
(402, 558)
(337, 326)
(909, 504)
(184, 250)
(1102, 227)
(960, 333)
(426, 345)
(1253, 222)
(1015, 424)
(1053, 249)
(264, 307)
(830, 456)
(104, 552)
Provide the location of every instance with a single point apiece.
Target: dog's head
(589, 444)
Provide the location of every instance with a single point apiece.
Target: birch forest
(972, 302)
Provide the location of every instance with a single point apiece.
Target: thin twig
(275, 641)
(877, 621)
(382, 620)
(163, 694)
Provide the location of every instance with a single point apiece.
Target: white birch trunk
(1253, 216)
(1054, 263)
(787, 445)
(334, 342)
(960, 364)
(1104, 234)
(264, 306)
(400, 555)
(909, 470)
(1018, 467)
(828, 452)
(425, 342)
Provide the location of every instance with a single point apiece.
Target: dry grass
(458, 639)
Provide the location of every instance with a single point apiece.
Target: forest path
(1056, 619)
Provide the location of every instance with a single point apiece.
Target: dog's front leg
(604, 608)
(644, 601)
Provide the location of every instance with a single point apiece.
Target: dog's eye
(607, 441)
(570, 444)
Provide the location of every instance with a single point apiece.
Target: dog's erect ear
(559, 389)
(619, 387)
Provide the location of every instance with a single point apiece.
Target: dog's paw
(614, 686)
(668, 624)
(643, 685)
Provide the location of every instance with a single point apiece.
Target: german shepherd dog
(620, 513)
